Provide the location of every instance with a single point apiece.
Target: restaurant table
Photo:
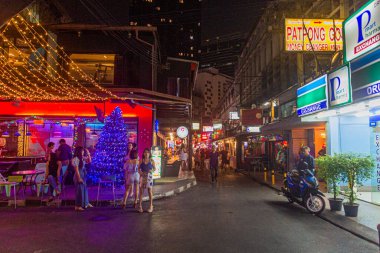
(25, 173)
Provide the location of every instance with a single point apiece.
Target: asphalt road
(236, 215)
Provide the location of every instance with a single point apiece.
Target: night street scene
(189, 126)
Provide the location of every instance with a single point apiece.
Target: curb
(357, 229)
(103, 203)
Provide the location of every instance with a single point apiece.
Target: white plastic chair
(8, 186)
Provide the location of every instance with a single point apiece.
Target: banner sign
(324, 34)
(312, 97)
(362, 30)
(157, 158)
(339, 86)
(365, 76)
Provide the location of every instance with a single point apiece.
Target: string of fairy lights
(48, 73)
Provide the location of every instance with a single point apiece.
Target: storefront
(229, 145)
(354, 128)
(27, 127)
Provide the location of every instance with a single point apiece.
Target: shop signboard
(365, 76)
(217, 126)
(339, 86)
(208, 129)
(375, 180)
(157, 158)
(234, 116)
(196, 126)
(312, 97)
(313, 34)
(182, 132)
(205, 136)
(252, 117)
(362, 31)
(253, 129)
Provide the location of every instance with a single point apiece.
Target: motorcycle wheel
(315, 204)
(290, 199)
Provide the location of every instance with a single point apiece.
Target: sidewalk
(364, 226)
(164, 187)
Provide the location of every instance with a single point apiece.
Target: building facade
(212, 85)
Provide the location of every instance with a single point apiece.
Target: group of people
(201, 155)
(57, 163)
(138, 173)
(138, 177)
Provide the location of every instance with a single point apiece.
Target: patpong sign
(313, 34)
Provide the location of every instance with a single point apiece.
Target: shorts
(146, 181)
(132, 178)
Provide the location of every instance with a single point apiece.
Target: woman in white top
(81, 194)
(132, 178)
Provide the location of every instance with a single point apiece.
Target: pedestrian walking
(51, 171)
(146, 169)
(203, 157)
(214, 161)
(132, 178)
(81, 192)
(197, 160)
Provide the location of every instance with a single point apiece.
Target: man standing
(64, 155)
(214, 157)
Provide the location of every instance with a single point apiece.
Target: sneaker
(89, 206)
(79, 209)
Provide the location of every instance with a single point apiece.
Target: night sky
(221, 17)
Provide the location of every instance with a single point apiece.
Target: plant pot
(336, 204)
(351, 210)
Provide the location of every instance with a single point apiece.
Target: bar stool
(107, 179)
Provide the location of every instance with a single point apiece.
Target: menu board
(157, 158)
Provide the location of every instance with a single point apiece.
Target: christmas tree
(110, 149)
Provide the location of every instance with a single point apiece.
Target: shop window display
(42, 134)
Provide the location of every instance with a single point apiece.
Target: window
(98, 66)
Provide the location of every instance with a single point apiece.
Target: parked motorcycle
(302, 188)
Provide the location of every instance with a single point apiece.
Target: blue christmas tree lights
(111, 149)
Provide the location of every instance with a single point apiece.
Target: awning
(290, 123)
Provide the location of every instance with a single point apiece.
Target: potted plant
(357, 169)
(330, 169)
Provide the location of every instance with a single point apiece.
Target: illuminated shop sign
(362, 30)
(208, 129)
(157, 158)
(365, 76)
(312, 97)
(182, 132)
(253, 129)
(313, 34)
(339, 86)
(195, 126)
(217, 126)
(234, 115)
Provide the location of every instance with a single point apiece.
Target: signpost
(339, 86)
(313, 34)
(157, 158)
(362, 31)
(312, 97)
